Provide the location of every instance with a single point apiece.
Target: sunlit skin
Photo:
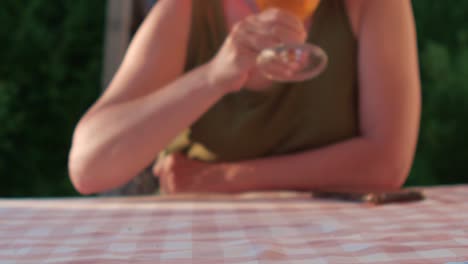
(141, 112)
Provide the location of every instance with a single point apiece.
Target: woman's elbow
(85, 166)
(94, 172)
(81, 175)
(394, 171)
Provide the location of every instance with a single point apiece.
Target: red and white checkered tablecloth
(275, 229)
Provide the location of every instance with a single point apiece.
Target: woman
(191, 67)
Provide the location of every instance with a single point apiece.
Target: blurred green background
(50, 72)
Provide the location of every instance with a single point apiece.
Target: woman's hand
(237, 57)
(179, 174)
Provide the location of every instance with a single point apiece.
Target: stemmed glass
(311, 60)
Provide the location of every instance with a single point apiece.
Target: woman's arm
(143, 108)
(150, 100)
(381, 157)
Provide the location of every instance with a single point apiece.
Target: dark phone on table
(377, 198)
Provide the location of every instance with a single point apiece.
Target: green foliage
(443, 43)
(49, 75)
(51, 56)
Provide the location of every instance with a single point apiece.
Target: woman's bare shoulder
(357, 9)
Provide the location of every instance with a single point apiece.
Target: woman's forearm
(111, 145)
(356, 164)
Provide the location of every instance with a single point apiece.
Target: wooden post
(117, 36)
(123, 18)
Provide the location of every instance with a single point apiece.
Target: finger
(277, 16)
(157, 168)
(162, 185)
(254, 25)
(167, 182)
(239, 36)
(287, 36)
(156, 171)
(253, 42)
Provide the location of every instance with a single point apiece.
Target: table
(271, 228)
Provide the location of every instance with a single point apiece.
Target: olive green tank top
(287, 118)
